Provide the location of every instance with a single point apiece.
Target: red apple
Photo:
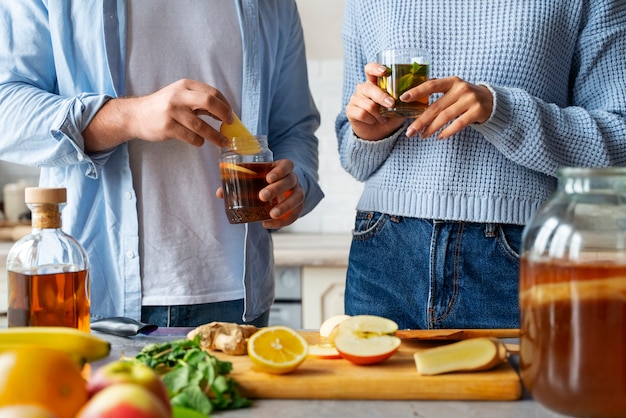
(366, 339)
(128, 371)
(124, 400)
(25, 411)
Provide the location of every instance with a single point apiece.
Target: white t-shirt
(189, 252)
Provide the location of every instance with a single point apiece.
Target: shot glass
(406, 68)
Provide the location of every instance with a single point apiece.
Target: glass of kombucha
(243, 176)
(406, 68)
(573, 296)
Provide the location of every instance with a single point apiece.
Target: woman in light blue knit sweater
(519, 89)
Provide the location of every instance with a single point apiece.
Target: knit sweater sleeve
(591, 131)
(358, 157)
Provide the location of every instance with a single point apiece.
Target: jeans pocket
(368, 224)
(510, 240)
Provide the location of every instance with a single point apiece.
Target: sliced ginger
(473, 354)
(242, 141)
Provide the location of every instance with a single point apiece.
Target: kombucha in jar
(573, 296)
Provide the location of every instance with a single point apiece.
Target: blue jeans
(429, 274)
(196, 315)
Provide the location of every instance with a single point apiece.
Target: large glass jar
(573, 296)
(48, 271)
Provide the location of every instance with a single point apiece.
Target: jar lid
(45, 195)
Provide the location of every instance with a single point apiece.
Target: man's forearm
(111, 126)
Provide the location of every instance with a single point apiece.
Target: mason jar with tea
(573, 296)
(244, 165)
(48, 270)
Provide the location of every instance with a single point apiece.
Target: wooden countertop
(303, 249)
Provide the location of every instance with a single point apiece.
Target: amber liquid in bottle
(47, 271)
(59, 299)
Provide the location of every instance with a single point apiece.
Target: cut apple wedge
(366, 339)
(241, 140)
(330, 323)
(324, 351)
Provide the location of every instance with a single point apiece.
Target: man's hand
(170, 113)
(285, 188)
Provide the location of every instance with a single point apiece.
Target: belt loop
(490, 230)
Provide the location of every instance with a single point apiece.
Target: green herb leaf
(419, 70)
(404, 83)
(194, 378)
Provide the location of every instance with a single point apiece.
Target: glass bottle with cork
(48, 270)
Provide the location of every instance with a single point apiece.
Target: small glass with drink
(406, 68)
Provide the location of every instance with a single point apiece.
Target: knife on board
(457, 334)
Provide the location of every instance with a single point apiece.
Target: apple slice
(330, 324)
(323, 351)
(366, 339)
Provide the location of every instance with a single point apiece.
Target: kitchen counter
(270, 408)
(298, 249)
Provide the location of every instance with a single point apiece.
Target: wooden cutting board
(396, 378)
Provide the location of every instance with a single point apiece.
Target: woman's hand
(462, 104)
(362, 109)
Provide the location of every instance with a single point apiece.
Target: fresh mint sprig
(194, 378)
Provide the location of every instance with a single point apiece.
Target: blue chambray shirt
(60, 61)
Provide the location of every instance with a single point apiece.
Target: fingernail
(382, 69)
(411, 131)
(275, 213)
(264, 195)
(405, 97)
(388, 102)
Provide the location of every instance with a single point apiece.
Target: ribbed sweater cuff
(500, 118)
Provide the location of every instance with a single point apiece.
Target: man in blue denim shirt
(120, 102)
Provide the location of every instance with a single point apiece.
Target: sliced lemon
(277, 349)
(224, 165)
(242, 141)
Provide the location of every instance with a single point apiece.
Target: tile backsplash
(335, 213)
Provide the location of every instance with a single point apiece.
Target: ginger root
(473, 354)
(227, 337)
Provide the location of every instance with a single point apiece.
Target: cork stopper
(45, 206)
(45, 195)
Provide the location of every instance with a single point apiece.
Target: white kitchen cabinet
(322, 294)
